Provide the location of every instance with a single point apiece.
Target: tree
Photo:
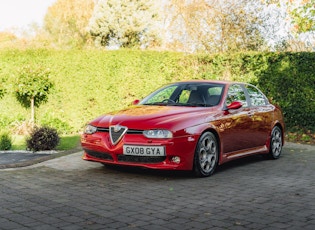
(297, 26)
(303, 15)
(214, 26)
(66, 21)
(32, 87)
(124, 23)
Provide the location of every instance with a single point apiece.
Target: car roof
(208, 81)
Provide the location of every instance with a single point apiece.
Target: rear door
(261, 114)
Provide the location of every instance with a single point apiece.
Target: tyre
(206, 155)
(275, 143)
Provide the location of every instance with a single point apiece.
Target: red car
(191, 125)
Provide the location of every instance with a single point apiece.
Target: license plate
(135, 150)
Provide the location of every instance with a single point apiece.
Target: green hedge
(89, 83)
(290, 81)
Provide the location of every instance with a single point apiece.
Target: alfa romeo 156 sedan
(191, 125)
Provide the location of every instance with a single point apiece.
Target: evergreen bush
(5, 141)
(43, 138)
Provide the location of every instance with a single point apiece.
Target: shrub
(5, 141)
(43, 138)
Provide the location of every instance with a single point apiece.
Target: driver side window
(236, 93)
(162, 95)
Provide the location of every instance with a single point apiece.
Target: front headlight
(158, 133)
(90, 129)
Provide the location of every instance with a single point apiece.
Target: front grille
(129, 131)
(100, 129)
(140, 159)
(134, 131)
(116, 133)
(99, 155)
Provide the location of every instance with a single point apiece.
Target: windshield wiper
(197, 104)
(178, 104)
(157, 103)
(164, 102)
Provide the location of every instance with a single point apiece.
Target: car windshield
(186, 94)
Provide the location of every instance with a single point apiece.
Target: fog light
(176, 160)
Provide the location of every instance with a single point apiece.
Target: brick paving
(252, 193)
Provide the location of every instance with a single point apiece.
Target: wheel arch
(282, 128)
(206, 169)
(217, 136)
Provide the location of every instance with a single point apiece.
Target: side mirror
(234, 105)
(136, 102)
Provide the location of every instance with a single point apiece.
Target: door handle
(251, 113)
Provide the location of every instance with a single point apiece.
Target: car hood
(143, 117)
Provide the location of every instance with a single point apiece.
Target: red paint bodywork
(240, 132)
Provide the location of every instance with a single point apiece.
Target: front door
(236, 133)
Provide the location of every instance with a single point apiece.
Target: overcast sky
(18, 14)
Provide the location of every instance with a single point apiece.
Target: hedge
(89, 83)
(290, 81)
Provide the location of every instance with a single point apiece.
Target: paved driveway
(252, 193)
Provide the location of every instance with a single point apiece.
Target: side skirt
(243, 153)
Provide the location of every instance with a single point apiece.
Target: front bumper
(98, 149)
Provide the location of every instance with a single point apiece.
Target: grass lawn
(66, 142)
(71, 141)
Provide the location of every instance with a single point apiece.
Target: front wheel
(206, 155)
(275, 143)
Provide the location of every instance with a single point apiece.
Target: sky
(19, 14)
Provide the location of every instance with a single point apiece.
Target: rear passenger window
(256, 97)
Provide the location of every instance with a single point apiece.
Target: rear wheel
(206, 155)
(275, 143)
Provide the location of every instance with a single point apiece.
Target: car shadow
(140, 171)
(172, 174)
(241, 162)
